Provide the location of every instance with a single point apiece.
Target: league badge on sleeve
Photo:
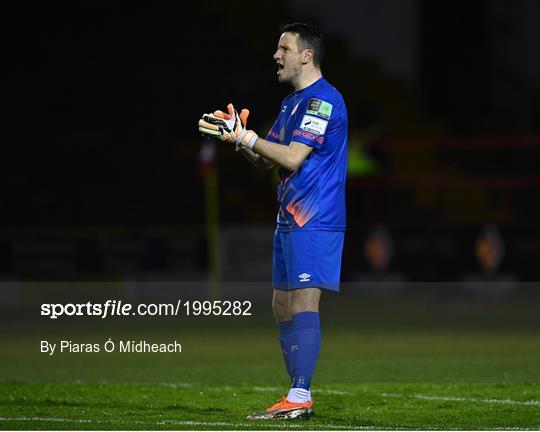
(319, 108)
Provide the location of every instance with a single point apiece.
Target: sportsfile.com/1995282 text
(118, 308)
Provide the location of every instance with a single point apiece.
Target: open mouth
(280, 67)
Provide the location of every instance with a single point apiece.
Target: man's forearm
(281, 155)
(257, 160)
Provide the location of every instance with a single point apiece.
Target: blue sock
(305, 348)
(285, 339)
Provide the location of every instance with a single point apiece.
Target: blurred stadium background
(104, 176)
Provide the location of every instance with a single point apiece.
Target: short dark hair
(309, 36)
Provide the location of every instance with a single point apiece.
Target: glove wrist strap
(247, 138)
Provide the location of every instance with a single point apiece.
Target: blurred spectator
(489, 283)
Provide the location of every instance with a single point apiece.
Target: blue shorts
(307, 259)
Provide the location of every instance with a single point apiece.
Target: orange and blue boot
(285, 409)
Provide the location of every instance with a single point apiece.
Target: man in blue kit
(308, 142)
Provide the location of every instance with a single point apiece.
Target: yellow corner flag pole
(211, 188)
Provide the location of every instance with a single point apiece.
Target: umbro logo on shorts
(304, 277)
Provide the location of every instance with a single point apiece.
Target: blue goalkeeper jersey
(313, 196)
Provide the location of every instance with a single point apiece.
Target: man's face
(288, 58)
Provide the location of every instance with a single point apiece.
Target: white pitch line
(277, 426)
(267, 389)
(201, 423)
(340, 392)
(188, 423)
(56, 419)
(417, 396)
(173, 385)
(332, 392)
(462, 399)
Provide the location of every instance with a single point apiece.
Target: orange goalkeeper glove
(228, 127)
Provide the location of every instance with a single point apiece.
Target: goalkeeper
(308, 142)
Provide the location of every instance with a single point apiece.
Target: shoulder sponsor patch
(319, 108)
(314, 125)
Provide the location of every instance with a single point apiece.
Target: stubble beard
(290, 76)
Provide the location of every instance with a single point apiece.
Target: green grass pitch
(381, 367)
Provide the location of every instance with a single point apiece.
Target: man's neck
(307, 78)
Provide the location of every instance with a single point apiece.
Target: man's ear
(307, 56)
